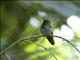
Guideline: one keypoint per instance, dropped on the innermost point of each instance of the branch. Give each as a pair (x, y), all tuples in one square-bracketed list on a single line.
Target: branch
[(40, 35), (19, 41), (43, 47), (7, 56), (68, 42)]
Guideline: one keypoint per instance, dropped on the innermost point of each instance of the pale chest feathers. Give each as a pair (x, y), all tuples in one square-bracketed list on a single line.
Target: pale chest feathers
[(46, 29)]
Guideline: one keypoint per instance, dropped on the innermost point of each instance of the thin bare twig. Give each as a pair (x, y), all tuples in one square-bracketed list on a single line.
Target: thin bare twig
[(7, 56), (67, 42), (43, 47), (19, 41), (40, 35)]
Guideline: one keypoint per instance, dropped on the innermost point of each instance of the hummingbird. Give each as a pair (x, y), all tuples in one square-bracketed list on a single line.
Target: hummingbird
[(46, 30)]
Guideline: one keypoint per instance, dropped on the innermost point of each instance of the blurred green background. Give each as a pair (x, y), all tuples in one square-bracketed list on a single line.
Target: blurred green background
[(22, 19)]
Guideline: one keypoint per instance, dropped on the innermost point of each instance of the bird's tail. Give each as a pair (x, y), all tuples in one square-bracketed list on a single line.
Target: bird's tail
[(50, 39)]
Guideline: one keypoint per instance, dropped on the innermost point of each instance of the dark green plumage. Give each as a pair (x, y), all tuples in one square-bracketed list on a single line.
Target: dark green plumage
[(46, 30)]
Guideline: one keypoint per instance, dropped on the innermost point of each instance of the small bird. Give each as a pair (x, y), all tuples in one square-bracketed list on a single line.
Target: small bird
[(46, 30)]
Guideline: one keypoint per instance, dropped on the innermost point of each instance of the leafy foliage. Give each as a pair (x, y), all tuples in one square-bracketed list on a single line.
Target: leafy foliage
[(15, 24)]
